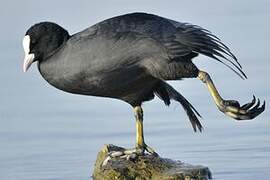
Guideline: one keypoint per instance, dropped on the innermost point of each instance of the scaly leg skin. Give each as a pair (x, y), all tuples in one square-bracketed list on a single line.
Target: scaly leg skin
[(232, 108), (140, 148)]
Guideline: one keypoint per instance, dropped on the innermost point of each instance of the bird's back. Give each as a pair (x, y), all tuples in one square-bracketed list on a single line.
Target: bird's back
[(148, 24), (180, 42), (137, 38)]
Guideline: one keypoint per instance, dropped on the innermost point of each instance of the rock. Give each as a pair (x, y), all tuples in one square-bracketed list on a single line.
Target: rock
[(145, 167)]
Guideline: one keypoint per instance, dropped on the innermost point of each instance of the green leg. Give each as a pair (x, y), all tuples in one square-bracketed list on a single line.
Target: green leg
[(140, 144), (232, 108), (139, 127)]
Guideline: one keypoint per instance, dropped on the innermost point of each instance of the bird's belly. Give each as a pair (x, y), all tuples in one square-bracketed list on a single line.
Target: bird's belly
[(120, 84), (126, 84)]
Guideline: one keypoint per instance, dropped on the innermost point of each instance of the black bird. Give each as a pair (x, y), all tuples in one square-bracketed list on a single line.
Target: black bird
[(130, 57)]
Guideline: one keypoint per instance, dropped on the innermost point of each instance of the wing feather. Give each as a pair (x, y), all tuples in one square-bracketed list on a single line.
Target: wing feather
[(190, 38)]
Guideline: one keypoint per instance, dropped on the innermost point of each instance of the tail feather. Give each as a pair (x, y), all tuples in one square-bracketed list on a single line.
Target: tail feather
[(166, 92)]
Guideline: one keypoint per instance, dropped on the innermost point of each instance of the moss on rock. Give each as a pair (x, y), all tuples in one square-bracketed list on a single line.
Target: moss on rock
[(145, 167)]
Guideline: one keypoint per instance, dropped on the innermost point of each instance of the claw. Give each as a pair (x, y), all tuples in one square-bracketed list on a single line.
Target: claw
[(151, 151), (249, 105), (263, 106), (257, 108), (248, 110), (258, 104)]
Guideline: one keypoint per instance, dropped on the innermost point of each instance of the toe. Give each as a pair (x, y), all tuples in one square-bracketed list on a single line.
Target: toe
[(249, 105), (151, 151), (245, 112)]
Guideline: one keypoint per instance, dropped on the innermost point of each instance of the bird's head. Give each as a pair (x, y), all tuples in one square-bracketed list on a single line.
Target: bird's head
[(42, 40)]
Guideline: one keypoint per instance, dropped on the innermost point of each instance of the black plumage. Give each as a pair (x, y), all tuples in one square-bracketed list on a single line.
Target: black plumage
[(128, 57)]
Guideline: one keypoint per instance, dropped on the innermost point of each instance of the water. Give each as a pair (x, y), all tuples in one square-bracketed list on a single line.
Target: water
[(49, 134)]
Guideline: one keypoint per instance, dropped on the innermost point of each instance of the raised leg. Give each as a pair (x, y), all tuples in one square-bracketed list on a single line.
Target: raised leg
[(232, 108)]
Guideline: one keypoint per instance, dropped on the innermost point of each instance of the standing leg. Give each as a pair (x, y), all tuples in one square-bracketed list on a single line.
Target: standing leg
[(140, 144), (139, 128)]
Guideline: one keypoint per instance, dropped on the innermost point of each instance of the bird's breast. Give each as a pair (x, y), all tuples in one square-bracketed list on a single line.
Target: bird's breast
[(92, 79)]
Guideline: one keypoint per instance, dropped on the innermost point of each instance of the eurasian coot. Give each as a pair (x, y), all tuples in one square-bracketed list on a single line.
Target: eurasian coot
[(130, 57)]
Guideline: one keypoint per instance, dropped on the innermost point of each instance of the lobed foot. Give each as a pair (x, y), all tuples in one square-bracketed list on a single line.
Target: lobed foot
[(247, 111), (130, 154)]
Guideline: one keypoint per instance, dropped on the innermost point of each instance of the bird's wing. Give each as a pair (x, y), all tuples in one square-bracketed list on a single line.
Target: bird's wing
[(190, 38), (182, 41)]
